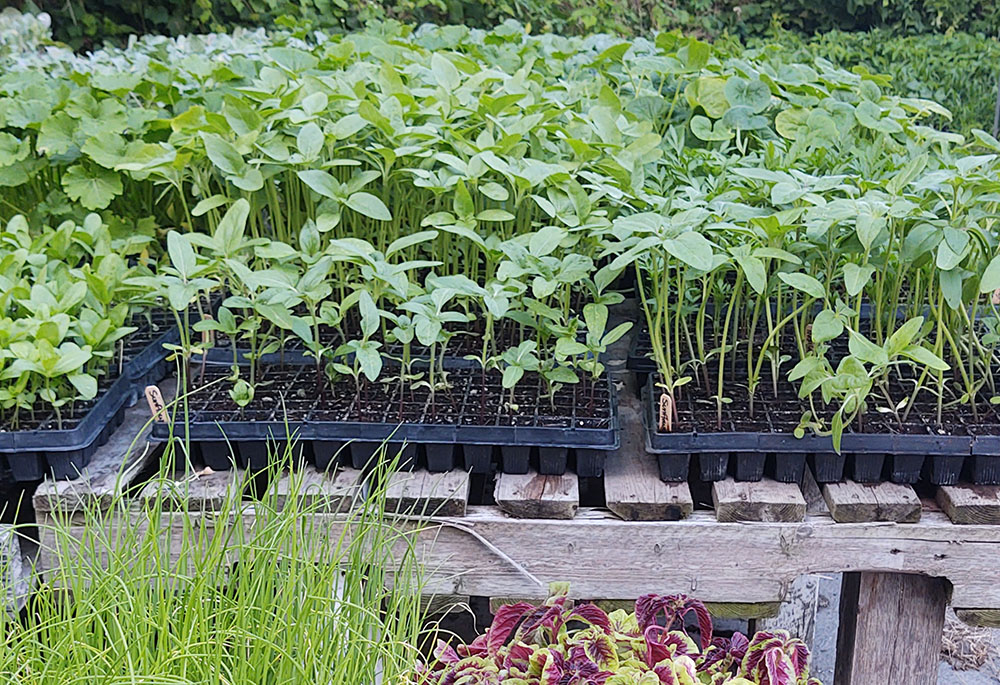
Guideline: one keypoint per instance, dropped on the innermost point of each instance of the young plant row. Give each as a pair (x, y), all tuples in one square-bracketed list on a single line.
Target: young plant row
[(796, 235), (381, 317), (67, 296)]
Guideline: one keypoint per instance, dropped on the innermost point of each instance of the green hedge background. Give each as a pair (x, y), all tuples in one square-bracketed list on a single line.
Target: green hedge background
[(941, 49)]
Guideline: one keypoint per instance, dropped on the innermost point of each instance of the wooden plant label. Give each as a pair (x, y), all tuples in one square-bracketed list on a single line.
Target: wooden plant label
[(157, 407)]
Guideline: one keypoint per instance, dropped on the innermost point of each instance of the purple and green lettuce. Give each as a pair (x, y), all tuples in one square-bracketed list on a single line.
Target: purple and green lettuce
[(561, 644)]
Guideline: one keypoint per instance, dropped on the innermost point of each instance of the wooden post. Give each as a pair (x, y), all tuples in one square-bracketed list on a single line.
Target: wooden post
[(890, 629)]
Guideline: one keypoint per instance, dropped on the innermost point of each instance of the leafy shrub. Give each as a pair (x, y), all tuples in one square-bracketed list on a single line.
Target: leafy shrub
[(959, 70), (559, 643)]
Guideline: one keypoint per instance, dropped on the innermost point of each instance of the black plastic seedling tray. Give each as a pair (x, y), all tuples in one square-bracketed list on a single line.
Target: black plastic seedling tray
[(62, 454), (226, 437), (865, 457)]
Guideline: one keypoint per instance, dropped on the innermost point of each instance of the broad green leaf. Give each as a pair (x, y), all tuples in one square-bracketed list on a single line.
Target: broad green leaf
[(85, 384), (494, 215), (545, 240), (754, 271), (804, 282), (990, 280), (94, 188), (369, 314), (181, 254), (310, 141), (856, 277), (704, 129), (445, 73), (409, 240), (790, 122), (867, 351), (369, 205), (826, 326), (691, 248), (321, 182), (903, 336), (753, 94), (922, 355)]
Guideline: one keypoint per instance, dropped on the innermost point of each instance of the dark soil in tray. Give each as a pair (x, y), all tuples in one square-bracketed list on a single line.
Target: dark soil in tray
[(43, 417), (472, 399)]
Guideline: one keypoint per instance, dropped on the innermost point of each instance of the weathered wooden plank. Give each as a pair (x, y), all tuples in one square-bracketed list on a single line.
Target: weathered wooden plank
[(486, 553), (16, 576), (203, 490), (904, 615), (632, 486), (532, 495), (439, 605), (766, 500), (427, 494), (851, 502), (319, 491), (797, 614), (966, 504), (113, 468), (979, 618)]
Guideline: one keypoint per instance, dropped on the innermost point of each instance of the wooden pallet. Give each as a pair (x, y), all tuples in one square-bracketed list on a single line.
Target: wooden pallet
[(741, 551)]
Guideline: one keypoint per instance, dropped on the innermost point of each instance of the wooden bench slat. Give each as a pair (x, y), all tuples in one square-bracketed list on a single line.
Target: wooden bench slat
[(766, 500), (532, 495), (851, 502)]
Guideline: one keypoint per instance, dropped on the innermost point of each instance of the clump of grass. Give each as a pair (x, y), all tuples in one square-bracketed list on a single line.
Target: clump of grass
[(160, 594)]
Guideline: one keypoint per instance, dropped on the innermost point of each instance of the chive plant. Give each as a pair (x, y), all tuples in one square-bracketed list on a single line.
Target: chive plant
[(157, 596)]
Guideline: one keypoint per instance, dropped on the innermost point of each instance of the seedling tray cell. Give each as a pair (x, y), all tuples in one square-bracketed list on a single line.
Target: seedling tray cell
[(549, 433), (47, 450)]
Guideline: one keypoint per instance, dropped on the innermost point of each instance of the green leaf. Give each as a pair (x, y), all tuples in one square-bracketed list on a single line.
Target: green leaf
[(805, 283), (409, 240), (790, 122), (856, 277), (369, 314), (93, 188), (704, 129), (753, 94), (837, 431), (370, 361), (85, 384), (369, 205), (693, 249), (511, 376), (545, 240), (229, 232), (754, 271), (903, 336), (922, 355), (310, 141), (867, 351), (445, 73), (321, 182), (826, 326), (208, 204), (990, 280), (182, 255), (494, 215)]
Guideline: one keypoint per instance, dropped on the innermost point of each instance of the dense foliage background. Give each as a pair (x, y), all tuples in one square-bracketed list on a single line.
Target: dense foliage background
[(940, 49)]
